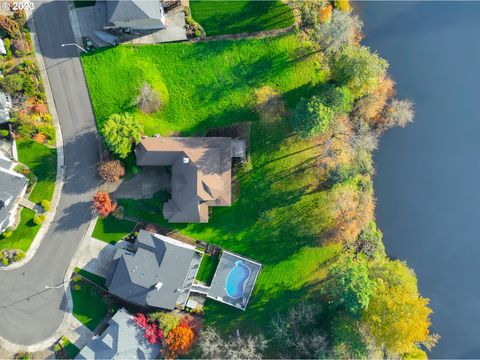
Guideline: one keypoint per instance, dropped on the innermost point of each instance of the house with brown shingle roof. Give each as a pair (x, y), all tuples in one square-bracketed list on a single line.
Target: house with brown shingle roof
[(201, 173)]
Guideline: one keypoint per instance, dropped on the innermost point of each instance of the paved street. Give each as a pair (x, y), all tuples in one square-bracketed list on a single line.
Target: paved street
[(29, 313)]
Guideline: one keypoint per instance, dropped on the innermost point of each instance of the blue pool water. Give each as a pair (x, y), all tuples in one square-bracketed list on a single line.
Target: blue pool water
[(236, 278)]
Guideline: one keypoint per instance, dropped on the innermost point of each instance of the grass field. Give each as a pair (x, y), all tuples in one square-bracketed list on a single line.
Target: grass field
[(89, 307), (280, 214), (207, 268), (111, 229), (232, 17)]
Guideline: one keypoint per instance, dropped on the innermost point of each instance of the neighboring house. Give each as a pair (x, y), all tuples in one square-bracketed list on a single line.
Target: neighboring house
[(157, 274), (13, 187), (122, 339), (5, 107), (201, 173), (136, 14), (3, 50)]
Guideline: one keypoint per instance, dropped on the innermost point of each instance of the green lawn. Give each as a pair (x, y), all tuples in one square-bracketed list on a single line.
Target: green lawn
[(23, 235), (42, 161), (111, 229), (207, 268), (70, 349), (89, 307), (92, 277), (280, 214), (232, 17)]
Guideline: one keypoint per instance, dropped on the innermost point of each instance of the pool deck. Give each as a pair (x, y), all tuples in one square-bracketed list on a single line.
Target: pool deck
[(218, 290)]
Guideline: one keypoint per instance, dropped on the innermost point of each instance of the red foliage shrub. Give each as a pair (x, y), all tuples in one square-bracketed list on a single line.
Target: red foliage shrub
[(141, 320), (9, 25), (191, 322), (41, 108), (103, 204)]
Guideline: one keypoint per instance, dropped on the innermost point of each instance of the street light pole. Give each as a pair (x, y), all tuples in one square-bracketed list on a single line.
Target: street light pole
[(74, 44), (57, 286)]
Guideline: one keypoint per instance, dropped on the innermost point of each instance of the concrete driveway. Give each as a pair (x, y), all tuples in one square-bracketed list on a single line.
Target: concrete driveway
[(30, 313)]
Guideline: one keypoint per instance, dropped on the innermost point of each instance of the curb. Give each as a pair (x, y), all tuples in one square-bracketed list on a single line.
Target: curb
[(60, 154)]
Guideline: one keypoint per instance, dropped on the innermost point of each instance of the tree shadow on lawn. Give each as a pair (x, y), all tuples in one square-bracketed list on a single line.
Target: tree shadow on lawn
[(263, 306)]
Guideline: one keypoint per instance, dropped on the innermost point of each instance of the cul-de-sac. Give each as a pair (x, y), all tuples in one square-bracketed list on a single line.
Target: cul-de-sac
[(234, 179)]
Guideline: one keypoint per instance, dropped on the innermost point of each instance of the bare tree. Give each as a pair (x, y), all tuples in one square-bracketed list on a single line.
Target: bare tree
[(148, 101), (342, 30), (399, 113), (236, 347)]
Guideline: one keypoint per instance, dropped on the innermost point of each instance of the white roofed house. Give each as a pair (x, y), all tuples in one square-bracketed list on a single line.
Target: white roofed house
[(5, 107), (136, 14), (13, 187)]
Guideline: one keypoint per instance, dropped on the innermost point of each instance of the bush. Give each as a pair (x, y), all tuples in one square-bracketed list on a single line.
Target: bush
[(12, 83), (77, 287), (9, 25), (4, 133), (39, 219), (45, 205), (111, 171), (8, 232), (57, 347), (166, 320), (312, 117), (5, 261), (19, 255)]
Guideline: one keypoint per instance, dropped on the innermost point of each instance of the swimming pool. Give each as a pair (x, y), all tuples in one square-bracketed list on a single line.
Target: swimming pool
[(236, 279)]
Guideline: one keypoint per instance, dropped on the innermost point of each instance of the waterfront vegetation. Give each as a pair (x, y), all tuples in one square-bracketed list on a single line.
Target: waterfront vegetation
[(305, 208)]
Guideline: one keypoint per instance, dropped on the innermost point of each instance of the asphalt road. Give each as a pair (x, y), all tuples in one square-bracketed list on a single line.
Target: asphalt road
[(29, 313)]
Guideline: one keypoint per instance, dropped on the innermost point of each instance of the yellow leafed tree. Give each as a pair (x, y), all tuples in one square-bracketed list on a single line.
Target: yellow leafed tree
[(399, 318)]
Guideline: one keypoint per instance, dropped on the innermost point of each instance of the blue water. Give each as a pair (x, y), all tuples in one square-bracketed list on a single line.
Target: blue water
[(236, 278)]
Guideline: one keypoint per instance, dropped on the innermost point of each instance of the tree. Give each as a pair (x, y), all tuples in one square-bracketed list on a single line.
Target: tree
[(311, 11), (343, 5), (179, 340), (111, 171), (296, 334), (339, 32), (103, 204), (349, 339), (148, 100), (312, 117), (350, 286), (399, 319), (359, 69), (369, 241), (120, 132), (339, 99), (399, 113), (213, 346)]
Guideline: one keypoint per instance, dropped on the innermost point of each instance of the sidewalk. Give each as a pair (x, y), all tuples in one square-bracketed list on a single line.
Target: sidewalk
[(60, 153)]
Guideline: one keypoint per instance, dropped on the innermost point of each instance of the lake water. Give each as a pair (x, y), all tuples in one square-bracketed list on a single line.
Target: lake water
[(428, 174)]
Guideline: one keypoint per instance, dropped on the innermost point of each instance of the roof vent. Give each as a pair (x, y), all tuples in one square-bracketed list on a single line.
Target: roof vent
[(186, 160), (158, 285)]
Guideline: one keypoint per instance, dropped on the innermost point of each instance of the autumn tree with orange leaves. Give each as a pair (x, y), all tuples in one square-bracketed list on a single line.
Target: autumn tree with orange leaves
[(179, 341), (103, 204)]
